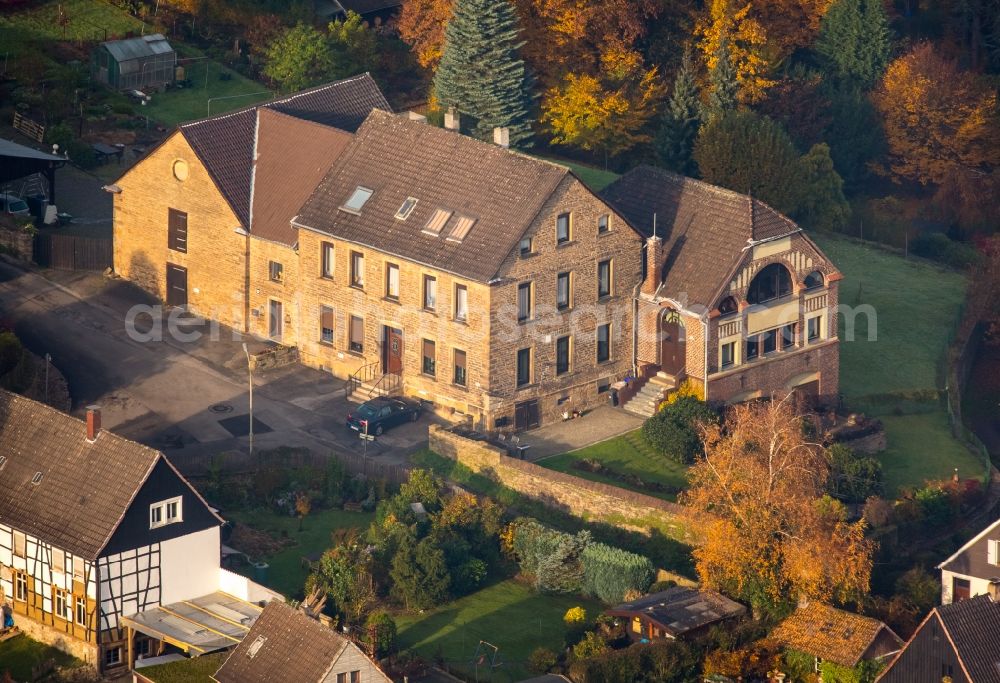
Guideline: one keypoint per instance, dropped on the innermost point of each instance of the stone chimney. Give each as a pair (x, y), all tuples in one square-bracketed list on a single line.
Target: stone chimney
[(501, 137), (654, 261), (93, 422), (452, 119)]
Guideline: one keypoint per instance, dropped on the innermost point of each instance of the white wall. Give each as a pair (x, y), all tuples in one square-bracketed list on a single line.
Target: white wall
[(189, 566), (243, 588), (977, 586)]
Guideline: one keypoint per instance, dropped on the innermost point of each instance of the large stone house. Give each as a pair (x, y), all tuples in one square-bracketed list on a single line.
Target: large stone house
[(974, 569), (97, 533), (735, 296), (402, 257)]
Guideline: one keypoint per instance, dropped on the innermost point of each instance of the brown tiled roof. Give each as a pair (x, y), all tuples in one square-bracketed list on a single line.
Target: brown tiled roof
[(704, 227), (225, 143), (974, 628), (295, 649), (829, 633), (679, 610), (85, 488), (972, 559), (293, 155), (500, 189)]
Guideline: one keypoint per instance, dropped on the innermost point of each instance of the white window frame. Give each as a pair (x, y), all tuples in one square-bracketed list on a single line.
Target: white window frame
[(993, 551), (66, 597), (79, 602), (163, 507)]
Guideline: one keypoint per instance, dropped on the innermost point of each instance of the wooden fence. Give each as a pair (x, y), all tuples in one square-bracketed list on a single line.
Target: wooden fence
[(28, 127), (73, 252)]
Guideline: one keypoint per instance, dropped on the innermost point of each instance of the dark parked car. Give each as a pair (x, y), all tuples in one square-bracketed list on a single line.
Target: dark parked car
[(377, 415)]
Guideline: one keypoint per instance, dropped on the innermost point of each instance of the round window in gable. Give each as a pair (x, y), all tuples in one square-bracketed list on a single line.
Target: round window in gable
[(180, 170)]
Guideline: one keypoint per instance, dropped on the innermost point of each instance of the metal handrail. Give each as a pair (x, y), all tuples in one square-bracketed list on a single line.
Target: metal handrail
[(363, 374), (390, 386)]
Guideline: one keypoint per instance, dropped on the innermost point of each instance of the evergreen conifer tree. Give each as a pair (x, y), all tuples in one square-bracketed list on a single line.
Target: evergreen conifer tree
[(854, 41), (722, 99), (675, 140), (481, 73)]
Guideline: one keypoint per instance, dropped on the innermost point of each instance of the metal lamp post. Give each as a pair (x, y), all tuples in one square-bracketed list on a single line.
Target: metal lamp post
[(250, 375)]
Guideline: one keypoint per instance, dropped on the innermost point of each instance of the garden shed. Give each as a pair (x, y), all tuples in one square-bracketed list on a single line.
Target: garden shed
[(135, 63)]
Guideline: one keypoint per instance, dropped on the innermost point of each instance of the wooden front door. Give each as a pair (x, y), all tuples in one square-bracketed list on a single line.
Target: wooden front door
[(275, 320), (672, 343), (392, 353), (177, 285), (526, 415)]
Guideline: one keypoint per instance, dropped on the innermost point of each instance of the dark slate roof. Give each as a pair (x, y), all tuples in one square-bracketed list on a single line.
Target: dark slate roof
[(368, 6), (295, 649), (137, 48), (974, 628), (500, 189), (678, 610), (85, 488), (704, 227), (832, 634), (292, 157), (225, 143), (972, 558)]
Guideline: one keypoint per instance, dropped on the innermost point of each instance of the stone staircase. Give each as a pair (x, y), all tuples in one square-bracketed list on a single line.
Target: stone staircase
[(651, 394), (378, 386)]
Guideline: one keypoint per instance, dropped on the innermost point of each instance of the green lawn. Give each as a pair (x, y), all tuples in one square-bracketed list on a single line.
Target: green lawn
[(87, 20), (507, 614), (194, 670), (921, 447), (917, 306), (19, 654), (187, 104), (286, 573), (629, 454)]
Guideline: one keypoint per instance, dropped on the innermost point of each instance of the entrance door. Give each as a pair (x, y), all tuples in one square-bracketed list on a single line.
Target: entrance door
[(672, 343), (526, 415), (275, 320), (392, 353), (177, 285)]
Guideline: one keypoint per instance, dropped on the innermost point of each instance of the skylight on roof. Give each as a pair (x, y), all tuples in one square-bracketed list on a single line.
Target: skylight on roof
[(37, 479), (357, 199), (407, 208), (437, 222), (3, 461), (461, 229), (255, 646)]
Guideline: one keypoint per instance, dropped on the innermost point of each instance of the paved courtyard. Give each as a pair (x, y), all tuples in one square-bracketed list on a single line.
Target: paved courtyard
[(596, 425)]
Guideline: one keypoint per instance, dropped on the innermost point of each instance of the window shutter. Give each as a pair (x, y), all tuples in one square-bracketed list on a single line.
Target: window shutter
[(460, 359), (428, 349), (177, 230), (993, 552), (357, 329)]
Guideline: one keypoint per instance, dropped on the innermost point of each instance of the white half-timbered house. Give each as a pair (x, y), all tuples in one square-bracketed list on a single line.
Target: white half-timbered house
[(98, 534)]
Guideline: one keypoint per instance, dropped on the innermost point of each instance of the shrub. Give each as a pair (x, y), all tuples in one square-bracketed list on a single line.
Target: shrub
[(938, 247), (919, 589), (381, 630), (609, 573), (935, 503), (673, 431), (592, 645), (575, 616), (541, 660), (853, 478)]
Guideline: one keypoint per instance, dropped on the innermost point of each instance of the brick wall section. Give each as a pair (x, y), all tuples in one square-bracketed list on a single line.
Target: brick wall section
[(579, 387), (81, 649), (579, 497), (775, 374), (215, 257), (263, 290), (22, 244)]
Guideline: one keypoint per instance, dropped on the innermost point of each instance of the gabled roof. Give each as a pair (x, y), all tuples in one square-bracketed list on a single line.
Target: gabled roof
[(831, 634), (285, 646), (85, 488), (137, 48), (225, 143), (704, 228), (973, 627), (678, 610), (972, 558), (501, 190), (292, 155)]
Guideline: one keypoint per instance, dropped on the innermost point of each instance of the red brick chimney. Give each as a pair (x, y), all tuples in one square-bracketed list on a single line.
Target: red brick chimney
[(654, 261), (93, 422)]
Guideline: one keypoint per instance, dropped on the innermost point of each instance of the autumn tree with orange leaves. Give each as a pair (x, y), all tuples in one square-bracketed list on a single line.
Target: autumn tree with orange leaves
[(421, 26), (940, 121), (769, 533), (747, 40)]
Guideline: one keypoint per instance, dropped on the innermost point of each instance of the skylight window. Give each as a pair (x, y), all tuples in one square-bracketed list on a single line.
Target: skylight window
[(461, 229), (357, 199), (37, 479), (437, 222), (407, 208), (255, 646), (3, 461)]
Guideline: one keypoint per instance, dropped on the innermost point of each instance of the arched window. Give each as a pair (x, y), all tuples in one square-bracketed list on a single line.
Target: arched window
[(771, 283), (814, 280), (728, 306)]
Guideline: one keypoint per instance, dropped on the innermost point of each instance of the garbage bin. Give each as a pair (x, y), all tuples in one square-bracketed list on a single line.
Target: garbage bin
[(260, 571), (613, 397), (37, 204)]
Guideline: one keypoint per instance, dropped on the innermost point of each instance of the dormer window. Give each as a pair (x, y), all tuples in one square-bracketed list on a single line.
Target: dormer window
[(357, 200), (166, 512), (407, 208)]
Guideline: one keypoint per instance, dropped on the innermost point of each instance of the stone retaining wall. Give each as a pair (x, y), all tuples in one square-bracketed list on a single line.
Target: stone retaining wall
[(82, 650), (580, 497), (18, 243)]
